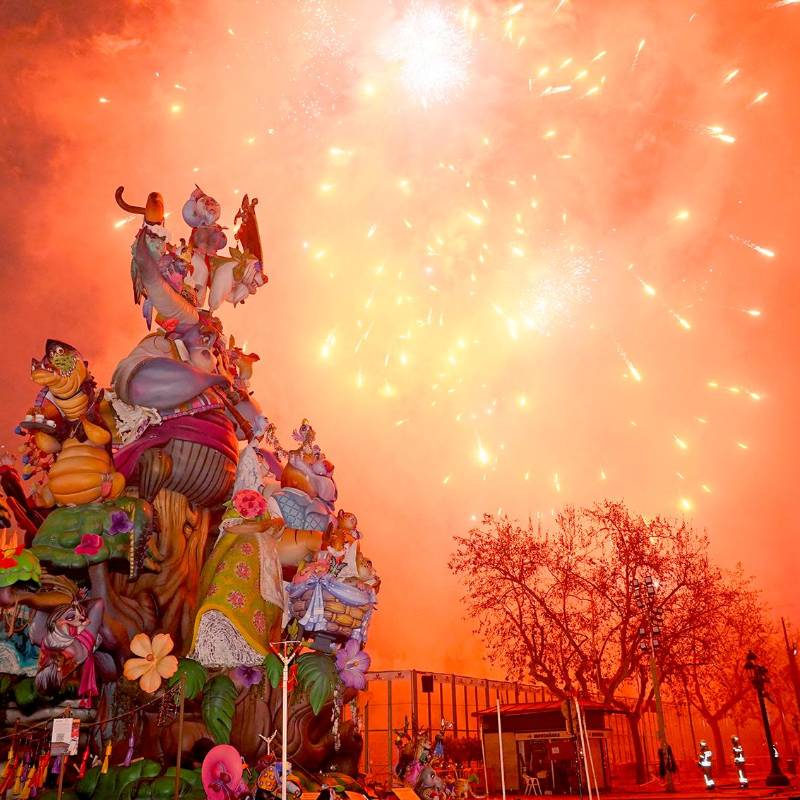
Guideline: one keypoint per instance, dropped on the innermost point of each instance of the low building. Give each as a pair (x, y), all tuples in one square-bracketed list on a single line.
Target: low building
[(538, 743)]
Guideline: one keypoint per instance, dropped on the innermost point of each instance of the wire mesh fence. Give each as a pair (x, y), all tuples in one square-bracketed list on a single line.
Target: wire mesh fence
[(418, 700)]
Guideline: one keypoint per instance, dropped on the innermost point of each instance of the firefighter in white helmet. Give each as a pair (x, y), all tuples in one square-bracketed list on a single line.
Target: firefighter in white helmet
[(738, 761), (704, 762)]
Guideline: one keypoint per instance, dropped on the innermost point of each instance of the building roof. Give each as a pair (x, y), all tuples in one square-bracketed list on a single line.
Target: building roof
[(516, 709)]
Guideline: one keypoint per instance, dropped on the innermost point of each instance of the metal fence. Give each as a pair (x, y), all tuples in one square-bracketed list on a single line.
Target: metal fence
[(392, 697)]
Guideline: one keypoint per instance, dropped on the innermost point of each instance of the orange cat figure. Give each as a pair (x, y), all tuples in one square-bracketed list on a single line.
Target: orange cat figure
[(344, 534)]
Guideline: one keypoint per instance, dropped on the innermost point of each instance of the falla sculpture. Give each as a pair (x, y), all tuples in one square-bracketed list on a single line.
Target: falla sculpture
[(158, 537)]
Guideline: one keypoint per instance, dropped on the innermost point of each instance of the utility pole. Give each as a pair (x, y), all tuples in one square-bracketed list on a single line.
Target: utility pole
[(649, 633), (759, 677), (181, 712), (286, 651)]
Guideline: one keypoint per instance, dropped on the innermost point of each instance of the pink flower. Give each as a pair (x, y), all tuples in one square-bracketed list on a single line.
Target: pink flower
[(260, 621), (242, 571), (236, 599), (221, 567), (90, 544), (249, 503), (212, 590), (352, 663), (246, 549)]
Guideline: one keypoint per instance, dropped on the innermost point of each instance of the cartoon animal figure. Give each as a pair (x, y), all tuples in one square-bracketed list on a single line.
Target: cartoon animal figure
[(414, 753), (438, 744), (69, 389), (340, 555), (241, 273), (338, 541), (66, 626), (366, 571), (153, 213), (201, 213), (83, 471), (462, 789), (200, 210), (234, 278), (193, 450), (242, 364), (174, 267), (429, 785), (308, 491), (247, 234), (345, 533), (405, 750), (267, 782), (423, 746)]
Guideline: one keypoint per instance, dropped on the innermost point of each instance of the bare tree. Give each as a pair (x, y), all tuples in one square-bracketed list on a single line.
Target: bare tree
[(708, 660), (557, 605)]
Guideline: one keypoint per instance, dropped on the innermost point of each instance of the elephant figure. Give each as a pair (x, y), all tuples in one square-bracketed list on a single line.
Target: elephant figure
[(193, 450), (183, 459), (428, 785)]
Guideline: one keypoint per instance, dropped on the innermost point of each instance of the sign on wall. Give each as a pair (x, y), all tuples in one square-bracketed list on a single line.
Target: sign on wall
[(64, 738)]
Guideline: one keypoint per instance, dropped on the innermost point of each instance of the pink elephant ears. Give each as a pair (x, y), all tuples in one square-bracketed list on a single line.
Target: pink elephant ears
[(222, 769)]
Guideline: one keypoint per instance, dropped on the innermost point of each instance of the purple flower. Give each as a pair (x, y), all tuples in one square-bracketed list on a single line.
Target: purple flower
[(245, 677), (120, 523), (352, 663)]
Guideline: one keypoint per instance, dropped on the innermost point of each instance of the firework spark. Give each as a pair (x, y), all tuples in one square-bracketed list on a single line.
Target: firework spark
[(432, 50)]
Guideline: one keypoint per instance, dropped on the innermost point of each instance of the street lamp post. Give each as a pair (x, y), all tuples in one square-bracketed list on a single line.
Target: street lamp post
[(759, 677), (650, 633), (791, 656)]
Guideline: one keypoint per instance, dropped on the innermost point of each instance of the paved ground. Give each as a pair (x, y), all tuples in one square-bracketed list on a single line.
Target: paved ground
[(687, 789), (727, 790)]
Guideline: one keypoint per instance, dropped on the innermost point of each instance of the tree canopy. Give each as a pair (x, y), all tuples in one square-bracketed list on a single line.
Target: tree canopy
[(557, 604)]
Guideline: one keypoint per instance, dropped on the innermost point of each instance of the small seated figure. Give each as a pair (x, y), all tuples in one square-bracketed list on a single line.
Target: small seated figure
[(267, 785), (308, 491), (201, 213), (337, 546)]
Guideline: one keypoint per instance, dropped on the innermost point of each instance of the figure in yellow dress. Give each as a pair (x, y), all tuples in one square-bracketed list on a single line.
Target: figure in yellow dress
[(241, 610)]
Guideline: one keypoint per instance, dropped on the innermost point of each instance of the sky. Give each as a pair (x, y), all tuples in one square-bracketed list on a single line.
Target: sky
[(519, 254)]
